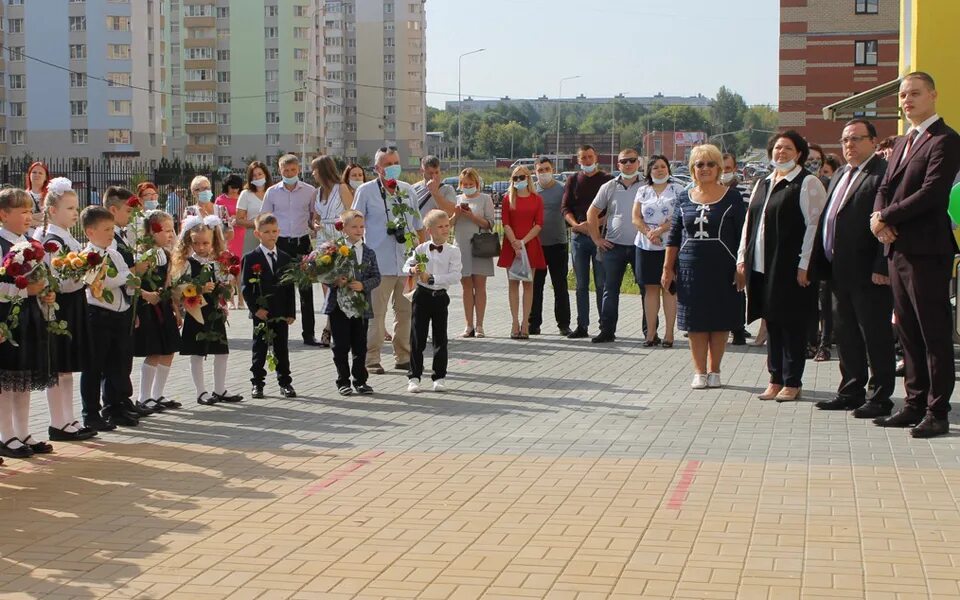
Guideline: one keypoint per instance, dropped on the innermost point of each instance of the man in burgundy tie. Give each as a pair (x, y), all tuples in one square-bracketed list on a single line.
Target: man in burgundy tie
[(910, 219), (847, 253)]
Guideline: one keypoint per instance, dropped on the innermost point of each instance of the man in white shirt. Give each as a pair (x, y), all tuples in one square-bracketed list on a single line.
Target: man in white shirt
[(430, 192)]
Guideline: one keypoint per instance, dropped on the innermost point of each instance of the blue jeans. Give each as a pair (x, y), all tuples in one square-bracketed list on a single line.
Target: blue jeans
[(615, 261), (584, 254)]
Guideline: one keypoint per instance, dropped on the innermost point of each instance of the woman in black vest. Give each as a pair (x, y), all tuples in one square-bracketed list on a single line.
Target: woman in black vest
[(774, 257)]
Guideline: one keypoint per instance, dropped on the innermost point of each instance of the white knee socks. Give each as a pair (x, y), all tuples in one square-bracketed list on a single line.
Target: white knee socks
[(21, 415), (220, 374), (196, 370), (147, 373), (60, 403), (159, 381), (7, 430)]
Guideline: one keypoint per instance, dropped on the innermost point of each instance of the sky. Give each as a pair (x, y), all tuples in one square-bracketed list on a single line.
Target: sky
[(637, 47)]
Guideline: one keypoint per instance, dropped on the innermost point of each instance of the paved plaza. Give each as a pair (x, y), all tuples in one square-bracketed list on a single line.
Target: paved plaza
[(552, 468)]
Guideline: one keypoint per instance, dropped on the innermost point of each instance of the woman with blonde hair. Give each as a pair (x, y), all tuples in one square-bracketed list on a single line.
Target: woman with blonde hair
[(473, 213), (522, 216), (203, 193), (701, 262)]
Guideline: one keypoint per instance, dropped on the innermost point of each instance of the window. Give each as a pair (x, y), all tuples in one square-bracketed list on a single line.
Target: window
[(78, 136), (868, 7), (78, 51), (199, 117), (300, 10), (223, 140), (866, 53), (273, 139), (16, 53), (273, 118), (299, 54), (17, 109), (199, 75), (223, 12), (271, 74), (223, 97), (200, 159), (223, 118), (15, 2), (270, 32), (388, 7), (299, 75), (201, 96), (118, 51), (198, 10), (118, 136), (78, 23), (19, 138), (223, 55), (271, 11), (201, 33), (388, 42), (298, 117), (116, 80), (298, 96), (14, 25), (273, 97), (199, 53), (118, 23), (391, 110), (200, 140), (223, 34), (78, 80), (78, 108), (17, 82), (388, 59), (77, 1), (223, 76), (271, 53), (301, 33)]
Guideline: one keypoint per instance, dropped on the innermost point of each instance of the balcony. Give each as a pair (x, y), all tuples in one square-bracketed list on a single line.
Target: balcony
[(200, 128)]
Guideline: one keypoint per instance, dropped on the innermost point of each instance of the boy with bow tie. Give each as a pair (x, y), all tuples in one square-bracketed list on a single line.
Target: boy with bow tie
[(430, 299)]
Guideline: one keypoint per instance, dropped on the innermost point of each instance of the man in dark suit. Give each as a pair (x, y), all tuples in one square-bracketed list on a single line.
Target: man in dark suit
[(272, 305), (911, 220), (847, 254)]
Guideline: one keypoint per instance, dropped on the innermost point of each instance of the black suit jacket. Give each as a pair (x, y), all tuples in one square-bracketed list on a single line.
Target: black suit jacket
[(914, 194), (280, 298), (857, 254)]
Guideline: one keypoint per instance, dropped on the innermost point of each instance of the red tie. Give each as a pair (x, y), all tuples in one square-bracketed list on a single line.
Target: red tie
[(911, 138)]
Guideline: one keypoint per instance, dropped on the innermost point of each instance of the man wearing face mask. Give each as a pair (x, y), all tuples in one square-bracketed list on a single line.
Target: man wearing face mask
[(553, 240), (616, 247), (291, 202), (729, 178), (579, 192), (430, 193), (380, 201)]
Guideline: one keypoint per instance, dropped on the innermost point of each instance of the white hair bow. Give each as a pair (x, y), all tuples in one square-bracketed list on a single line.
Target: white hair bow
[(191, 222), (212, 221), (59, 186)]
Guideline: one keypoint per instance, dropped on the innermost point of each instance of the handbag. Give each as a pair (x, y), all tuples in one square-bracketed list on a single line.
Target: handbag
[(485, 244)]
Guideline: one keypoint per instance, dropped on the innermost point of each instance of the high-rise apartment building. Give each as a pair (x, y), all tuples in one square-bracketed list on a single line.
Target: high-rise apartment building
[(831, 50), (82, 78)]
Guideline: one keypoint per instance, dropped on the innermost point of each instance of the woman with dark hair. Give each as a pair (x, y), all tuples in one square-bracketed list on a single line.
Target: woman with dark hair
[(653, 217), (250, 201), (353, 177), (329, 205), (228, 198), (774, 258), (35, 182)]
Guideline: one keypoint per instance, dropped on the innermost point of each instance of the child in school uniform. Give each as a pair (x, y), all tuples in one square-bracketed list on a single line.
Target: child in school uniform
[(430, 299), (272, 305), (350, 334), (156, 337), (26, 365), (195, 260), (108, 315), (68, 353)]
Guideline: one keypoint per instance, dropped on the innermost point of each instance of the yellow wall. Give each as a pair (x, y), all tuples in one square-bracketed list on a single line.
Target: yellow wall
[(928, 42)]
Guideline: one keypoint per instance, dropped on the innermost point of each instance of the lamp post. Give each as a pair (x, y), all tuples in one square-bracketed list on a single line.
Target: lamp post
[(613, 129), (559, 108), (460, 100)]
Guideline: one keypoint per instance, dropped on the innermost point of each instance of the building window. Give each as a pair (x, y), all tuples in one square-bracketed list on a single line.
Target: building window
[(272, 97), (866, 53), (17, 82), (271, 53), (868, 7), (78, 80), (223, 118), (78, 136), (298, 117), (199, 53), (273, 139), (17, 109), (271, 11), (199, 75), (273, 118), (14, 25), (115, 80), (271, 75), (223, 76), (223, 12), (299, 75), (118, 136), (270, 32), (199, 117), (198, 10), (118, 51), (223, 97), (298, 96), (388, 8), (115, 23), (15, 2), (78, 23), (223, 55), (299, 54), (78, 51), (300, 10), (301, 33), (78, 108), (223, 140), (201, 33), (19, 138)]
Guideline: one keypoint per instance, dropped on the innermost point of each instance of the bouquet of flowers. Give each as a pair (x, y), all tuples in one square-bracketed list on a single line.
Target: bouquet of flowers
[(74, 265), (191, 291), (328, 263), (193, 301), (230, 263), (24, 263)]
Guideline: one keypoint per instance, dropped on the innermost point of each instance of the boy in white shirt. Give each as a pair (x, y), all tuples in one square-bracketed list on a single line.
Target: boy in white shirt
[(430, 299)]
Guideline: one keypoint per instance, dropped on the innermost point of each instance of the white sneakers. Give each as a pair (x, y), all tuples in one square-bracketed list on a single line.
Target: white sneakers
[(413, 385), (439, 386), (702, 381)]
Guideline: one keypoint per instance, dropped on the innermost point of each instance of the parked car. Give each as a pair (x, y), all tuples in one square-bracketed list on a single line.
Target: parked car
[(497, 190)]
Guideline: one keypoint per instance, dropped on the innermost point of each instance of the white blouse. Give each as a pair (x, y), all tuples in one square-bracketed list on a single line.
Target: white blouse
[(328, 212), (656, 209)]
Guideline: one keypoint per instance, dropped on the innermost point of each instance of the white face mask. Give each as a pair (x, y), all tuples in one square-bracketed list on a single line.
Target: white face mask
[(469, 191), (259, 182), (354, 183), (660, 180), (726, 178), (628, 176), (784, 167), (588, 168), (544, 178)]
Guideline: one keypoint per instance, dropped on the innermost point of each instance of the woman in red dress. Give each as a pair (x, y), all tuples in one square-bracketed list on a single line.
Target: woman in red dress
[(522, 216)]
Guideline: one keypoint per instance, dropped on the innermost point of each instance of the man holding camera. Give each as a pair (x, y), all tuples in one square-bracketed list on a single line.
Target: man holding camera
[(391, 218)]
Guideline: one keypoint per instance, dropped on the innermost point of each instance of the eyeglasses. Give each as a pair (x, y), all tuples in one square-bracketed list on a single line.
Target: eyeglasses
[(705, 165), (519, 177), (854, 139), (628, 161)]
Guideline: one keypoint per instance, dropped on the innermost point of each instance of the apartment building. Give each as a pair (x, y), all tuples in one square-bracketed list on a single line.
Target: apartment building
[(77, 81), (831, 50)]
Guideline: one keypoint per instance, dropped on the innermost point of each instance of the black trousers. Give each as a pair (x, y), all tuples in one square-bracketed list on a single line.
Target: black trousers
[(281, 351), (558, 265), (786, 351), (349, 335), (820, 326), (107, 370), (864, 340), (429, 307), (298, 248)]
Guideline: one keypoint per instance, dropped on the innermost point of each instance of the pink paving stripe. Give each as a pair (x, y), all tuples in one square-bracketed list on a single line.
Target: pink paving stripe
[(679, 495), (342, 472)]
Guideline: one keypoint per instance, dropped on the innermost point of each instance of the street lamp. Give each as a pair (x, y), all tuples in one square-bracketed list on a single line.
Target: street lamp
[(613, 128), (559, 108), (460, 100)]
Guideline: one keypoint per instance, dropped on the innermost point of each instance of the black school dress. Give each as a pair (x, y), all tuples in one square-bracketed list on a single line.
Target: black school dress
[(214, 321), (157, 333), (68, 353), (25, 367)]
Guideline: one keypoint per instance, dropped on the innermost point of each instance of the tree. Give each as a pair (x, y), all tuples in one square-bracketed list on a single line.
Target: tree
[(727, 111), (678, 118)]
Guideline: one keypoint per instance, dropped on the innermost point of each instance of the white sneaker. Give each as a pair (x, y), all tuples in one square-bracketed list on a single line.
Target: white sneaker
[(413, 386), (713, 380), (439, 386), (699, 381)]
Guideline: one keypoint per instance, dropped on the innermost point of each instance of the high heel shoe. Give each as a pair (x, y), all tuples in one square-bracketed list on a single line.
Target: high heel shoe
[(469, 332), (480, 333), (789, 396), (771, 392)]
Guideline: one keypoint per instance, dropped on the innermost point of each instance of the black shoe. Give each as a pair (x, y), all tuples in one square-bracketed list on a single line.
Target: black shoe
[(402, 366), (839, 404), (873, 409), (168, 403), (256, 391), (152, 405), (345, 390), (227, 397), (122, 418), (363, 389), (739, 339), (603, 338), (287, 391), (136, 410), (930, 427), (901, 368), (376, 369), (98, 424), (905, 417), (565, 331), (38, 447), (23, 451), (534, 331), (311, 341), (82, 433), (577, 334)]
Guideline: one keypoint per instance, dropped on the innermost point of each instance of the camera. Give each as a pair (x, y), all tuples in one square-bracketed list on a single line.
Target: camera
[(397, 232)]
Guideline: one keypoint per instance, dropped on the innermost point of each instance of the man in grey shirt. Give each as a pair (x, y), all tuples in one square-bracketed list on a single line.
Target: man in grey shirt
[(430, 192), (553, 239), (617, 248)]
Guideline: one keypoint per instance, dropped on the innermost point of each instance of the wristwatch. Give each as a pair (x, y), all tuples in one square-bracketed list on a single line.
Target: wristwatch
[(430, 280)]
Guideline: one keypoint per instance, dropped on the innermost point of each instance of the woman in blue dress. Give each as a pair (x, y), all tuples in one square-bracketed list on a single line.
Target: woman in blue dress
[(701, 261)]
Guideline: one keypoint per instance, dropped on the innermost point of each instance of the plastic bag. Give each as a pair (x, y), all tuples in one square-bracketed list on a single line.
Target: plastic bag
[(520, 269)]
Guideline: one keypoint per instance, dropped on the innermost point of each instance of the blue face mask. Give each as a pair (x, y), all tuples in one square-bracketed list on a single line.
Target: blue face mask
[(290, 180), (392, 172), (151, 205), (205, 196), (588, 168), (520, 185)]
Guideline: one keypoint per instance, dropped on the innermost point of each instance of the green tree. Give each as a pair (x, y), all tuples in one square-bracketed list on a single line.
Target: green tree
[(679, 118), (727, 111)]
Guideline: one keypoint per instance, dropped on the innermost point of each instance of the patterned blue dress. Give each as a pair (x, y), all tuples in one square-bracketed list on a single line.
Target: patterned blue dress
[(708, 236)]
